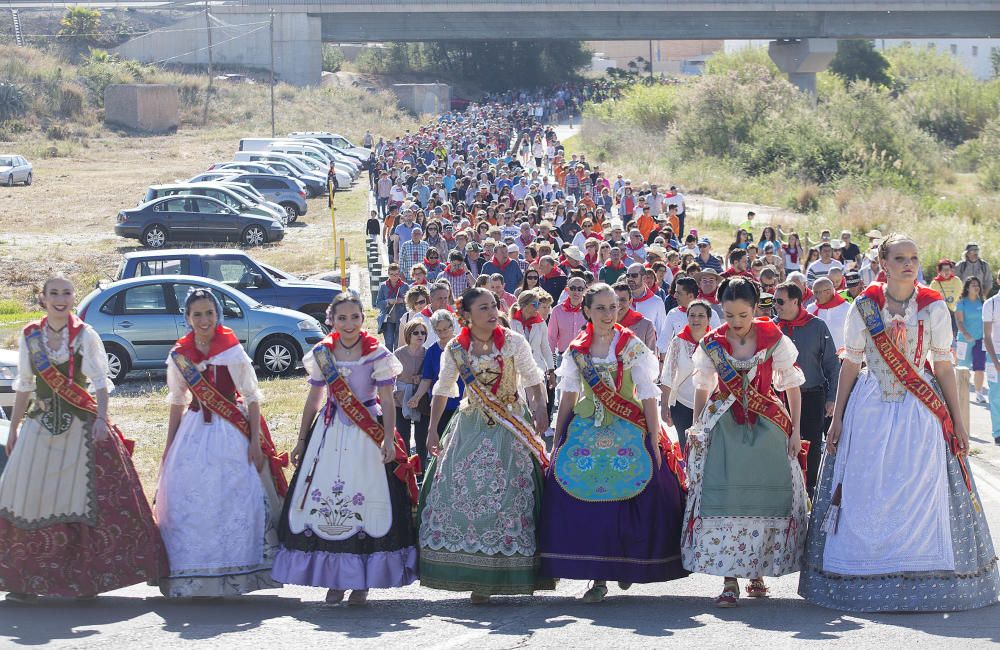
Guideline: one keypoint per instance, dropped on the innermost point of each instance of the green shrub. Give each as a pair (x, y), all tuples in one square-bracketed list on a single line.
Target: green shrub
[(12, 101), (71, 100), (333, 58)]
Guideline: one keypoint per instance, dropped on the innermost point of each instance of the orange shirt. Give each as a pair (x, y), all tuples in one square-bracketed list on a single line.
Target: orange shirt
[(645, 224)]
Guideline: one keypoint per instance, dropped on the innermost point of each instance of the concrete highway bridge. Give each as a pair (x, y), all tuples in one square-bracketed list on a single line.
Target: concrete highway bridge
[(805, 31)]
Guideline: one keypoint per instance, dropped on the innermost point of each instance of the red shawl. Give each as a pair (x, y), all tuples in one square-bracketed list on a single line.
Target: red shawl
[(687, 335), (368, 342), (585, 339), (630, 318), (836, 301), (223, 339), (788, 326), (502, 266), (454, 272), (526, 323), (464, 338), (611, 265), (767, 335), (925, 295), (646, 296), (567, 305)]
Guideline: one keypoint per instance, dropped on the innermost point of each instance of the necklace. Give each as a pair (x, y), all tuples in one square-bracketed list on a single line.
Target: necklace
[(57, 331), (351, 346), (904, 300), (743, 337)]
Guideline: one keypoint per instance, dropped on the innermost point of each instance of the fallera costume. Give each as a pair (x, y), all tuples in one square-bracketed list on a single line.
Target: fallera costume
[(897, 523), (73, 518), (609, 513), (481, 496), (217, 513), (746, 509), (348, 522)]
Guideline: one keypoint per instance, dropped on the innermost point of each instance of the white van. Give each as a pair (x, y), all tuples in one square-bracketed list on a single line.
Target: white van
[(335, 139)]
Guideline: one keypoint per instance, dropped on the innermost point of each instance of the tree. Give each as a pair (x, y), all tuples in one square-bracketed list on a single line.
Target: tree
[(858, 60)]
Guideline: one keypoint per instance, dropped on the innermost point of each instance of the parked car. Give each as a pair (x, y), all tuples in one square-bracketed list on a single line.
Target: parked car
[(217, 190), (312, 172), (207, 177), (287, 192), (250, 167), (310, 149), (140, 319), (14, 169), (237, 270), (8, 372), (335, 139), (195, 218)]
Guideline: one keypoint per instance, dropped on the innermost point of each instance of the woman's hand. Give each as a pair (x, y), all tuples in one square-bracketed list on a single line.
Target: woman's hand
[(963, 438), (11, 441), (296, 455), (655, 443), (833, 435), (255, 455), (794, 444), (100, 430), (433, 440), (665, 415), (388, 450), (413, 402)]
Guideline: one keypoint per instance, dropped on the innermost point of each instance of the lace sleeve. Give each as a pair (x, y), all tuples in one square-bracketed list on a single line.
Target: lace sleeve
[(669, 362), (786, 374), (25, 381), (704, 377), (95, 360), (940, 335), (568, 375), (524, 361), (855, 337), (241, 370), (177, 388), (645, 370), (447, 381)]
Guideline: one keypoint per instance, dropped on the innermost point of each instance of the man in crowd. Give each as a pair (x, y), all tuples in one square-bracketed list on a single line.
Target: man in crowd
[(507, 268), (831, 308), (472, 260), (974, 266), (613, 269), (821, 267), (705, 259), (647, 303), (413, 251), (708, 285), (853, 289), (818, 361), (496, 285), (566, 319), (630, 318), (551, 277), (738, 264)]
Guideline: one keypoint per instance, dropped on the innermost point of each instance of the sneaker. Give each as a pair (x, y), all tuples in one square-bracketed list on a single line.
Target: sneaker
[(979, 398)]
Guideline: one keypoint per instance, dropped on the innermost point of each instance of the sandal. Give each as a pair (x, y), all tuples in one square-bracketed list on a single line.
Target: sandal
[(334, 596), (358, 597), (21, 598), (596, 593), (479, 599), (730, 594), (757, 589)]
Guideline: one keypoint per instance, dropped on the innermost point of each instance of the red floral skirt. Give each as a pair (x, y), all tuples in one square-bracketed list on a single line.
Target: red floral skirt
[(78, 560)]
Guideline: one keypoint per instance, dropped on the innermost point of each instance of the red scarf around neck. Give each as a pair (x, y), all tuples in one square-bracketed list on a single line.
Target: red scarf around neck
[(646, 296), (711, 299), (567, 306), (616, 267), (836, 301), (454, 272), (526, 323), (464, 338), (501, 265), (430, 266), (556, 272), (223, 339), (687, 335), (630, 318), (925, 295), (368, 342), (585, 339), (788, 326)]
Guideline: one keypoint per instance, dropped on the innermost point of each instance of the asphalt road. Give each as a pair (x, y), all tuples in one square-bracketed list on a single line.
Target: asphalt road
[(415, 617)]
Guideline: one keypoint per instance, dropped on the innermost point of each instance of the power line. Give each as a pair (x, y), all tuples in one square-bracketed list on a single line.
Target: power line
[(202, 49)]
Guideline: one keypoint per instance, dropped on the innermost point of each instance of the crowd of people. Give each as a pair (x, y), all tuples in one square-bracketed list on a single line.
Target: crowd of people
[(789, 406)]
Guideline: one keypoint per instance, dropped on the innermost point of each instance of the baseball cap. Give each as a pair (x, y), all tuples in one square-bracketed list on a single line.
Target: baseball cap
[(852, 278), (473, 246), (704, 241)]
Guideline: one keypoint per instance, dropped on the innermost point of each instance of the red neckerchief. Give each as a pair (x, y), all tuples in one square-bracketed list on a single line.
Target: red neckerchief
[(454, 272), (526, 241), (939, 278), (646, 296), (788, 326), (712, 300), (431, 265), (629, 250), (836, 301), (793, 253), (925, 295), (428, 313), (464, 339), (611, 265), (807, 294), (590, 261), (502, 266), (585, 339), (630, 318), (368, 342), (393, 289), (556, 272), (222, 340), (687, 335), (526, 322), (730, 272), (570, 308), (767, 335)]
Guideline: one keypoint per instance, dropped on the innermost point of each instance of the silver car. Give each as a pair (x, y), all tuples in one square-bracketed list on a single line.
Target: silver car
[(8, 372), (14, 169)]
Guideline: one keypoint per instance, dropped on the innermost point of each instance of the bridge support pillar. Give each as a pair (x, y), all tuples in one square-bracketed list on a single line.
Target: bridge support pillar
[(802, 59)]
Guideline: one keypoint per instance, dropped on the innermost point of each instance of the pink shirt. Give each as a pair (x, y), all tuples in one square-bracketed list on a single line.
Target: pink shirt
[(563, 327)]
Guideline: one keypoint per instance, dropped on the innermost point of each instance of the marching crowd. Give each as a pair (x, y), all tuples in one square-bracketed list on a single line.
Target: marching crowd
[(545, 325)]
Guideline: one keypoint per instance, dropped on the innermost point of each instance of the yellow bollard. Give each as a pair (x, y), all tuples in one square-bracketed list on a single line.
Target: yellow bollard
[(333, 215), (962, 379), (343, 264)]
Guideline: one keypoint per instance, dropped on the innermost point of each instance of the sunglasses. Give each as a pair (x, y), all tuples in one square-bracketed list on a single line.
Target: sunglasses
[(779, 301), (576, 289), (419, 302), (419, 333), (535, 304), (633, 275)]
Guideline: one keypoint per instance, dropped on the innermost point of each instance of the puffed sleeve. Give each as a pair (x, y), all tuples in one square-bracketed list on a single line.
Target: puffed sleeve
[(568, 375), (177, 389), (529, 372), (312, 369), (785, 373), (385, 367), (704, 377), (447, 381), (855, 337), (241, 370), (645, 371), (25, 381), (95, 359), (941, 336)]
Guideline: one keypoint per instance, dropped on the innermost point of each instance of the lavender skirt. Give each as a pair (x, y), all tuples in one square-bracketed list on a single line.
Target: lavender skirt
[(636, 540)]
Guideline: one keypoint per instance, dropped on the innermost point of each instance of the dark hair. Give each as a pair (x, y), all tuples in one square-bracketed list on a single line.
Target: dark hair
[(736, 254), (689, 284), (345, 297), (470, 296), (699, 302), (965, 287), (592, 292), (198, 294), (739, 288), (792, 289), (621, 285)]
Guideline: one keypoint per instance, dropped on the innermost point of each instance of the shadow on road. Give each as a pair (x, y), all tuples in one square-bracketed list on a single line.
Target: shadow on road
[(515, 617)]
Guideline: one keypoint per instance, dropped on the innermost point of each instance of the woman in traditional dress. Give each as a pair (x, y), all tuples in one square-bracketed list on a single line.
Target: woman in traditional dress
[(612, 507), (347, 523), (746, 509), (897, 524), (74, 521), (221, 483), (677, 378), (481, 496)]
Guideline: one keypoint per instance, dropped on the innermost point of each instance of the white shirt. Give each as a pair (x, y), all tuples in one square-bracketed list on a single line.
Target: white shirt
[(991, 314), (654, 309), (677, 319), (678, 200), (835, 319)]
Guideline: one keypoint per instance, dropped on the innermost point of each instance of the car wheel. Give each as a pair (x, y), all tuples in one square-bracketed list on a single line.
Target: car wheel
[(118, 362), (27, 181), (154, 237), (292, 211), (277, 356), (254, 236)]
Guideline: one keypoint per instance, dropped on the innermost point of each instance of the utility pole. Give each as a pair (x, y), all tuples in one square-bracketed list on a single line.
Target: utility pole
[(271, 32), (208, 91), (651, 61)]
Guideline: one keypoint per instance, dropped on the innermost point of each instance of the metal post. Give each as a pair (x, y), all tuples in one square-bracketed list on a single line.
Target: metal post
[(271, 40), (333, 213), (343, 265), (650, 60), (208, 92)]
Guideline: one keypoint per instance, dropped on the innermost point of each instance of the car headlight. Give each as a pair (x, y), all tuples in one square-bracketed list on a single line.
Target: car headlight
[(8, 372), (309, 325)]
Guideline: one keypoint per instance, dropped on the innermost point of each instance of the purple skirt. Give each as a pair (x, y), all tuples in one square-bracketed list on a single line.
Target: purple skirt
[(637, 540)]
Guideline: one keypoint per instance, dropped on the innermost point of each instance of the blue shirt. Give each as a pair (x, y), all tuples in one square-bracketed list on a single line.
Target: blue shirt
[(432, 369), (972, 317)]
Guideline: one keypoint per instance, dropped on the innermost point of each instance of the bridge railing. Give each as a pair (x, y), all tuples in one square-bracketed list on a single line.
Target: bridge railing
[(661, 5)]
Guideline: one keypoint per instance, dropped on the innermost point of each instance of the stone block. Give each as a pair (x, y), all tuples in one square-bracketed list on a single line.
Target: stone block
[(146, 108)]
